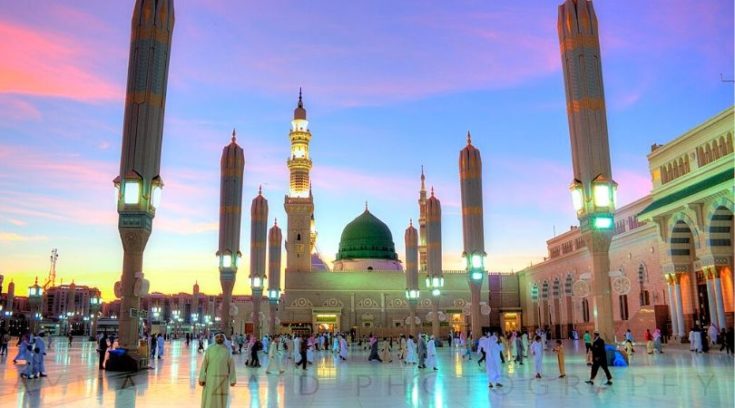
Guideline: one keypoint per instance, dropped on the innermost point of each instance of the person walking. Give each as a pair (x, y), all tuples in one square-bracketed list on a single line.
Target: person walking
[(467, 344), (216, 373), (492, 350), (304, 347), (4, 340), (71, 338), (159, 345), (657, 341), (410, 351), (23, 352), (275, 355), (588, 346), (599, 360), (385, 351), (102, 349), (430, 354), (559, 350), (374, 350), (343, 347), (482, 348), (648, 337), (422, 351), (537, 350), (39, 355)]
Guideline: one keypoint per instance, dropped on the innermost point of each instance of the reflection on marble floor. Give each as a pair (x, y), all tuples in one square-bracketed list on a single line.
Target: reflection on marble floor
[(676, 378)]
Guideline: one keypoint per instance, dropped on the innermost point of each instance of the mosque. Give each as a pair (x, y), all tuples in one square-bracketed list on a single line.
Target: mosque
[(365, 290)]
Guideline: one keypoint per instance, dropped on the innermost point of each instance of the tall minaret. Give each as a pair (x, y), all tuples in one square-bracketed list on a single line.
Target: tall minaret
[(274, 274), (412, 274), (139, 182), (232, 165), (10, 297), (435, 278), (299, 203), (593, 188), (195, 316), (258, 242), (470, 178), (422, 223)]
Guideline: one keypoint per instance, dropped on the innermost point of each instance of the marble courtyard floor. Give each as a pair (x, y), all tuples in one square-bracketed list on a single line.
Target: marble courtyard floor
[(676, 378)]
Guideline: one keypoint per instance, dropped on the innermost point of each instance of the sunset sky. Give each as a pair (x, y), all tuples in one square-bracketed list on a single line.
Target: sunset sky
[(388, 85)]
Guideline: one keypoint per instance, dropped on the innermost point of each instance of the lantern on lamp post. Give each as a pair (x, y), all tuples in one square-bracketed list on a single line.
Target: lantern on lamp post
[(35, 298)]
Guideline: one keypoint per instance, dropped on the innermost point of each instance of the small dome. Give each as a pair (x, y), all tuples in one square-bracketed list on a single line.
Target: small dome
[(299, 112), (366, 237)]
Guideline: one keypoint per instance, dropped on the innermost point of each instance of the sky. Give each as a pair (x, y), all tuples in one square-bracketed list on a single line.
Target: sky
[(388, 86)]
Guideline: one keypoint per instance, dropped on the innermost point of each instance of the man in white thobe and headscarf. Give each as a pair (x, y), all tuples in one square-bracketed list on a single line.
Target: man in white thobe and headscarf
[(342, 347), (713, 332), (217, 374), (431, 353), (492, 360)]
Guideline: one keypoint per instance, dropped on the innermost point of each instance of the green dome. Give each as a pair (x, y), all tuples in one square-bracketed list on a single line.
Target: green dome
[(366, 237)]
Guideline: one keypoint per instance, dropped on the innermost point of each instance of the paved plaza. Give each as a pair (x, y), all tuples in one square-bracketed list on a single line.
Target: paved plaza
[(675, 378)]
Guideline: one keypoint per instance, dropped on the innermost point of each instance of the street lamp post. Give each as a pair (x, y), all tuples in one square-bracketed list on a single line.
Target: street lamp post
[(275, 239), (35, 297), (95, 303), (139, 182), (412, 275), (470, 174), (434, 278), (593, 189), (258, 231)]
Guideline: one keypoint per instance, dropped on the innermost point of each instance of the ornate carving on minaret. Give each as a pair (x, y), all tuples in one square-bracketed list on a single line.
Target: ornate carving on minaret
[(299, 202)]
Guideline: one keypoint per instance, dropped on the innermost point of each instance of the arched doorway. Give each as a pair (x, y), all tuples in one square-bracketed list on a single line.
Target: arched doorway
[(693, 283), (720, 240)]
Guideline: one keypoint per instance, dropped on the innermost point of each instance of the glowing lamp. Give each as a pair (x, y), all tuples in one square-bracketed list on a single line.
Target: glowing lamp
[(602, 195), (274, 295), (603, 222), (577, 195), (436, 292), (476, 276), (226, 260), (256, 282), (131, 192), (477, 261), (156, 196)]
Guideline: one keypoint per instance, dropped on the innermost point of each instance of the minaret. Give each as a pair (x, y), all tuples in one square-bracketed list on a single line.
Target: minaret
[(435, 279), (470, 178), (232, 165), (593, 188), (422, 223), (258, 231), (299, 203), (10, 298), (274, 274), (139, 182), (312, 234), (412, 274), (195, 316)]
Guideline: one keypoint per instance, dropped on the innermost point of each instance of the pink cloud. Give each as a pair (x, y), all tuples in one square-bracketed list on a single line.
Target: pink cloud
[(14, 109), (43, 63)]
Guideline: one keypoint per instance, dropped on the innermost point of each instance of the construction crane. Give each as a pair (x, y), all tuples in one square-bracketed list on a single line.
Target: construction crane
[(51, 280)]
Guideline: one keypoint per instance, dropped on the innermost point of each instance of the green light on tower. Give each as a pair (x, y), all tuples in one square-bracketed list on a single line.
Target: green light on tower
[(602, 222)]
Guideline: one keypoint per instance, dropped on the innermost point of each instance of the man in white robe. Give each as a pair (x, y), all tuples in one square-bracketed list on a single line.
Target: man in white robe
[(537, 350), (492, 360), (431, 353), (297, 350), (217, 374), (275, 355), (713, 332), (343, 348), (411, 351)]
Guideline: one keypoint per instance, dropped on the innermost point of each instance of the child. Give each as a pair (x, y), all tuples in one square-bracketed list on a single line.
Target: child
[(559, 349), (629, 349)]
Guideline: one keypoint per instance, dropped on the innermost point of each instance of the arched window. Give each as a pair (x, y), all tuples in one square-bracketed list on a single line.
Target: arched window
[(642, 274), (545, 290), (623, 307), (568, 285), (585, 311)]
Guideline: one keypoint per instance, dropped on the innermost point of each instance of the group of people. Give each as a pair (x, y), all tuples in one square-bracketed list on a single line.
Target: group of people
[(420, 351), (701, 341), (32, 352)]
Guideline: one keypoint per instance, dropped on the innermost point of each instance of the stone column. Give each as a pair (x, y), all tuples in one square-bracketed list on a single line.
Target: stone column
[(672, 307), (412, 316), (711, 308), (598, 243), (679, 306), (719, 300), (435, 316)]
